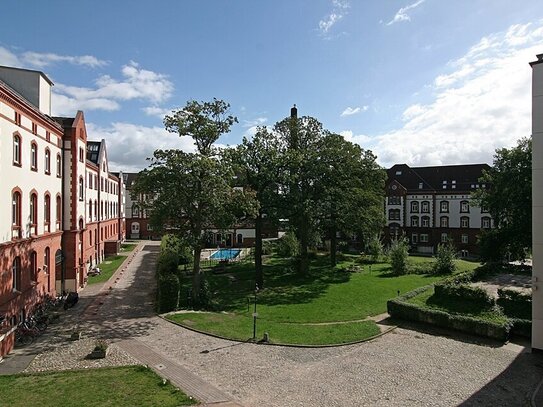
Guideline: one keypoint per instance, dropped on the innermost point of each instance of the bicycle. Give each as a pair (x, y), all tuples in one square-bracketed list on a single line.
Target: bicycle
[(23, 336)]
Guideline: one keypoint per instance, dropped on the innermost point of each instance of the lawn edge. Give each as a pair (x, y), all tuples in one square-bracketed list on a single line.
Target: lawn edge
[(288, 345)]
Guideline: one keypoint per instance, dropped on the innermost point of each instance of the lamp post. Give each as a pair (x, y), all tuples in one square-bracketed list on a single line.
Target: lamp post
[(255, 314)]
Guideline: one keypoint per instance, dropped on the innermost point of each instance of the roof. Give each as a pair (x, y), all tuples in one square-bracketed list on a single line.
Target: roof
[(29, 70), (93, 151), (464, 177), (65, 122), (129, 178)]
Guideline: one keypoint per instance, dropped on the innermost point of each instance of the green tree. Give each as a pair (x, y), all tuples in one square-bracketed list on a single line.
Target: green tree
[(192, 192), (445, 259), (509, 201), (351, 190), (259, 166), (398, 254)]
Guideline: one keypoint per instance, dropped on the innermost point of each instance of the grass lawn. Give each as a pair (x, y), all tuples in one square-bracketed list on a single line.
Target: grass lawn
[(427, 299), (123, 386), (128, 247), (107, 268), (326, 295)]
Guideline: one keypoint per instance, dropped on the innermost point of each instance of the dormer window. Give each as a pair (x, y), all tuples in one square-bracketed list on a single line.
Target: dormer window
[(421, 185), (398, 173)]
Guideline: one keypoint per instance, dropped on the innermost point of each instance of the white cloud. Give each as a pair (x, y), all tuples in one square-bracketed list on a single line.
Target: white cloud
[(137, 83), (8, 58), (259, 121), (157, 111), (129, 145), (401, 14), (339, 10), (349, 111), (360, 139), (41, 60), (484, 104)]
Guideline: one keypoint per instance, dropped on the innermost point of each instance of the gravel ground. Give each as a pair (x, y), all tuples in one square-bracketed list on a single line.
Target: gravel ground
[(71, 355)]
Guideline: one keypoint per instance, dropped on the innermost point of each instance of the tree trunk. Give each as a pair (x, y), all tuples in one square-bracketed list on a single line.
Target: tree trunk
[(333, 246), (259, 278), (196, 275)]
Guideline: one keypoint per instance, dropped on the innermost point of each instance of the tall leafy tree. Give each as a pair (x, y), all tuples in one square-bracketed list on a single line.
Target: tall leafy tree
[(260, 168), (351, 190), (192, 192), (509, 201)]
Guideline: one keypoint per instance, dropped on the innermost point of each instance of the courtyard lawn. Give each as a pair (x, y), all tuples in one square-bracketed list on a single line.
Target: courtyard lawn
[(107, 268), (289, 300), (123, 386), (128, 247)]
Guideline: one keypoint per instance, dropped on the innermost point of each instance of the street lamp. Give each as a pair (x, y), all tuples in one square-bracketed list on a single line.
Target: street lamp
[(255, 314)]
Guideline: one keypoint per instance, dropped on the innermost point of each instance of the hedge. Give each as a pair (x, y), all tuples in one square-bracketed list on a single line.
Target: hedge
[(464, 292), (168, 293), (521, 327), (399, 308), (515, 304)]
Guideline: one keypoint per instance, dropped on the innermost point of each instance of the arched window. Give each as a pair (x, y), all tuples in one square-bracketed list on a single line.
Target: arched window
[(444, 238), (464, 222), (425, 221), (33, 214), (95, 209), (33, 266), (46, 267), (58, 213), (16, 274), (90, 210), (47, 212), (59, 166), (425, 207), (394, 214), (444, 206), (16, 150), (485, 222), (16, 215), (464, 206), (34, 156), (394, 229), (415, 207), (444, 221), (102, 210), (47, 164), (90, 237), (414, 221), (81, 189)]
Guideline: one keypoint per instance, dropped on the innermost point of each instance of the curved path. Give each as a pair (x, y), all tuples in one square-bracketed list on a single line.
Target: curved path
[(403, 368)]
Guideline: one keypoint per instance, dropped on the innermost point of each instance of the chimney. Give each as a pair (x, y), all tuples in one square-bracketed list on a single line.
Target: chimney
[(294, 112)]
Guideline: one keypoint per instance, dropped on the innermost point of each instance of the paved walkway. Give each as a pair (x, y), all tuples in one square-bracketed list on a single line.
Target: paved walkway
[(411, 366)]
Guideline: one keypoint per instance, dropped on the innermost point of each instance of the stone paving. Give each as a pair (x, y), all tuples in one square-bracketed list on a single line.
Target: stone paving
[(410, 366)]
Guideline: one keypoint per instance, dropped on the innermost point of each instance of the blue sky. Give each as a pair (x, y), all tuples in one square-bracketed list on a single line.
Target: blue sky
[(422, 82)]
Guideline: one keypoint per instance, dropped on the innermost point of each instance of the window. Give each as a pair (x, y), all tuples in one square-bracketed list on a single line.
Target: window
[(81, 155), (135, 227), (464, 222), (415, 207), (47, 163), (16, 274), (33, 214), (18, 118), (464, 206), (33, 267), (444, 206), (398, 173), (444, 221), (136, 212), (17, 150), (414, 238), (485, 222), (484, 209), (421, 185), (425, 221), (425, 207), (34, 128), (96, 182), (48, 135), (149, 227), (465, 239), (47, 212), (394, 200), (16, 215), (58, 211), (90, 181), (95, 209), (90, 237), (424, 238), (444, 238), (59, 166), (414, 221), (90, 209), (34, 156), (46, 260), (394, 229), (81, 189)]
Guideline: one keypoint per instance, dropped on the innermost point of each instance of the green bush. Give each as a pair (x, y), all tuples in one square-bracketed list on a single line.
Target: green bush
[(267, 247), (398, 254), (521, 327), (167, 263), (168, 292), (515, 304), (375, 249), (421, 268), (464, 293), (445, 259), (288, 245)]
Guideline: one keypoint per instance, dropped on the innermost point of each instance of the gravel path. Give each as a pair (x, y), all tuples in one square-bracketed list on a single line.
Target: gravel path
[(406, 367)]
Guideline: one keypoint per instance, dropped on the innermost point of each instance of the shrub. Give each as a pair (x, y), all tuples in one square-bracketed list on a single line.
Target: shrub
[(375, 249), (168, 292), (464, 293), (167, 263), (445, 263), (421, 268), (288, 245), (521, 327), (267, 247), (515, 304), (398, 254)]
